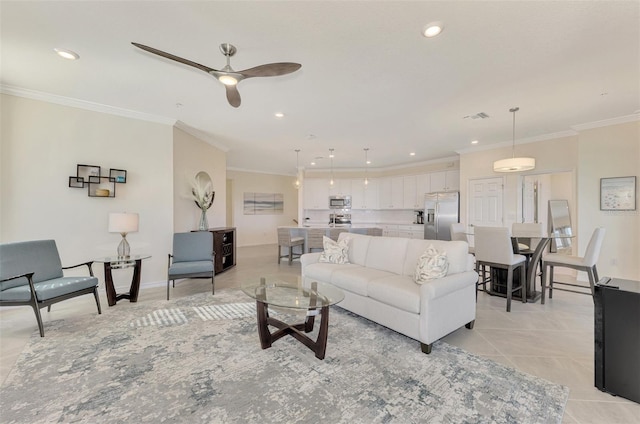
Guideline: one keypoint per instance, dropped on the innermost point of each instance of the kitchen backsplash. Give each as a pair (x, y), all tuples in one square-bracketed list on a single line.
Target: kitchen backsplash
[(366, 216)]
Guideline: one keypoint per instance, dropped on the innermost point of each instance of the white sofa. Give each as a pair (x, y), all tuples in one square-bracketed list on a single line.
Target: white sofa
[(378, 285)]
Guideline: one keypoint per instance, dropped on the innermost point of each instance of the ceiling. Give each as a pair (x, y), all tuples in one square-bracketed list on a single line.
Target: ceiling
[(368, 78)]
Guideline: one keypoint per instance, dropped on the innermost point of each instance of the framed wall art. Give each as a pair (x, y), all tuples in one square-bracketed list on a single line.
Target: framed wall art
[(618, 194)]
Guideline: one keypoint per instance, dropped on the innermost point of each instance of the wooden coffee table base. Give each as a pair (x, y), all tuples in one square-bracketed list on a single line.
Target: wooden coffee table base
[(298, 331)]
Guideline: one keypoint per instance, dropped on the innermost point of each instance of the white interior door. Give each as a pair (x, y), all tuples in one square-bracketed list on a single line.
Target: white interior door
[(485, 202)]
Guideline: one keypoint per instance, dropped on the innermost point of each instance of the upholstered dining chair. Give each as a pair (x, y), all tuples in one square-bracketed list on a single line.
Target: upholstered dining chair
[(286, 240), (192, 258), (528, 234), (459, 233), (314, 238), (493, 249), (586, 263)]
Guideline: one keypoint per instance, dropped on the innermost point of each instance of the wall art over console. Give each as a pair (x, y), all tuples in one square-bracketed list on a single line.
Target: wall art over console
[(97, 185), (618, 194)]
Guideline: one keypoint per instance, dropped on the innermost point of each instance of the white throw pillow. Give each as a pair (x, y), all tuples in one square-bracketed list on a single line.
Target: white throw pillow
[(335, 252), (431, 265)]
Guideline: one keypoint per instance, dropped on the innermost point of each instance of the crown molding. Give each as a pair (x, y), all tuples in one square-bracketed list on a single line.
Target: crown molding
[(83, 104), (201, 135), (607, 122), (253, 171), (387, 168)]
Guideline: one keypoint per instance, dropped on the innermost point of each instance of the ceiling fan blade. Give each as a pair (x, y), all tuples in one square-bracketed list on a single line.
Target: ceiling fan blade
[(271, 70), (174, 57), (233, 96)]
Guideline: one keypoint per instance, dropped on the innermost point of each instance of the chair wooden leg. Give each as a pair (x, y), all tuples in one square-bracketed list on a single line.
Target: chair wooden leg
[(543, 284), (95, 294), (523, 284), (213, 286), (426, 348), (595, 276), (509, 287), (290, 255), (592, 281), (49, 308), (279, 254), (174, 281), (34, 305), (550, 281)]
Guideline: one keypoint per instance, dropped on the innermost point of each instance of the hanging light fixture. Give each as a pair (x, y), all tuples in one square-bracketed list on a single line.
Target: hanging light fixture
[(331, 158), (366, 166), (297, 183), (514, 164)]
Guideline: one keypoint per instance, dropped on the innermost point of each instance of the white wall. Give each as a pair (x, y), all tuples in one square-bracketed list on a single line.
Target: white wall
[(261, 229), (190, 156), (612, 151), (41, 144)]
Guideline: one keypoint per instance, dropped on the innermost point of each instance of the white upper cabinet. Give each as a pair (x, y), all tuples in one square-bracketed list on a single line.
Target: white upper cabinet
[(340, 187), (391, 193), (415, 187), (445, 181), (316, 193), (364, 197)]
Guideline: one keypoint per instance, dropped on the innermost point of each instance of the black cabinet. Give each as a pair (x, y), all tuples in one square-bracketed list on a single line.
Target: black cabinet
[(224, 246), (617, 337)]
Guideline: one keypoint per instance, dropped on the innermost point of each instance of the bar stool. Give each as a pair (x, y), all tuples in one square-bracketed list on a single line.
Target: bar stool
[(314, 238), (285, 240), (587, 263), (494, 249)]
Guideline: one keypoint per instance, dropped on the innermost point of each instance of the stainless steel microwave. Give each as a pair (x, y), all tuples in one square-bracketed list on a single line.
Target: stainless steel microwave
[(339, 202)]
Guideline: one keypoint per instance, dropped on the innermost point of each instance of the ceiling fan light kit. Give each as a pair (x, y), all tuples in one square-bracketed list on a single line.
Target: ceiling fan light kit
[(514, 164), (227, 75)]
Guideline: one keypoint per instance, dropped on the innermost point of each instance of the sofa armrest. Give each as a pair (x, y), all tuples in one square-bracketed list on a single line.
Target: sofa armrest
[(310, 258), (88, 264), (443, 286)]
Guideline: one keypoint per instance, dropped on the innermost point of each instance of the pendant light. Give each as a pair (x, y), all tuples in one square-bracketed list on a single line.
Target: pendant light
[(297, 183), (331, 158), (514, 164), (366, 166)]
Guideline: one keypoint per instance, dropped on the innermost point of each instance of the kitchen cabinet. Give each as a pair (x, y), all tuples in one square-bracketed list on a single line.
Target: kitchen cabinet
[(391, 193), (414, 189), (340, 187), (316, 193), (445, 181), (364, 197)]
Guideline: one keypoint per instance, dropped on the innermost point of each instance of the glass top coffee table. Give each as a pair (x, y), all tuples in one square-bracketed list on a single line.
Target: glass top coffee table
[(315, 300)]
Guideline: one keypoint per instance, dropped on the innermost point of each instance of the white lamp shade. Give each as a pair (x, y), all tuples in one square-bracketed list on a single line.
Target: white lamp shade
[(122, 222), (514, 165)]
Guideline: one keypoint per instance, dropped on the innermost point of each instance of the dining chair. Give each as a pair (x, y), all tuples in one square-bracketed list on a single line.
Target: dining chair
[(528, 234), (285, 239), (459, 233), (192, 257), (334, 233), (586, 263), (493, 249), (314, 238)]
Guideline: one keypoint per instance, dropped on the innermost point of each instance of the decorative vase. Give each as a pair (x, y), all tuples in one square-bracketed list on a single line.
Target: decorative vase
[(204, 224)]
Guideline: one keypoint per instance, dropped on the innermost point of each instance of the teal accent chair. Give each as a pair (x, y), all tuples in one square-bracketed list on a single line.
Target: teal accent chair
[(192, 257), (31, 274)]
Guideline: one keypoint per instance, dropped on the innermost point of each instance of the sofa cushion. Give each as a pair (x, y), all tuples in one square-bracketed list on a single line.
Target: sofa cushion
[(388, 254), (357, 278), (334, 252), (49, 289), (432, 264), (358, 246), (397, 291), (323, 271), (457, 253), (194, 267)]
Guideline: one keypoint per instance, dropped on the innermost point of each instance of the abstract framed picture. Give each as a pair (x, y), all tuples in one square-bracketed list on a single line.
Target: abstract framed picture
[(618, 194), (263, 204)]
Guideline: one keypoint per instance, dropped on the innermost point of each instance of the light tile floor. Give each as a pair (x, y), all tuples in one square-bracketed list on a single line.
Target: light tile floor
[(553, 341)]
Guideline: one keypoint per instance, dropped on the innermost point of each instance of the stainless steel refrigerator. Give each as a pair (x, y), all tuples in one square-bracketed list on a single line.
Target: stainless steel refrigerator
[(441, 209)]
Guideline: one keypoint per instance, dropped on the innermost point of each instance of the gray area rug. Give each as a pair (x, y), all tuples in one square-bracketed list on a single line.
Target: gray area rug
[(198, 360)]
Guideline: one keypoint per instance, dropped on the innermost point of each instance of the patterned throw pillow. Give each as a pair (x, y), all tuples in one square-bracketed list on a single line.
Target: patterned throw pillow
[(335, 252), (431, 265)]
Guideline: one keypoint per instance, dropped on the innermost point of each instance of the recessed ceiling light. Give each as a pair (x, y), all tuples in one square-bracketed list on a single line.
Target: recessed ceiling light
[(279, 115), (474, 142), (67, 54), (412, 154), (313, 163), (432, 29)]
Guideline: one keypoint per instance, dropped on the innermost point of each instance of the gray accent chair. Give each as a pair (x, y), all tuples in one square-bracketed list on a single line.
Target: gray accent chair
[(192, 257), (31, 274)]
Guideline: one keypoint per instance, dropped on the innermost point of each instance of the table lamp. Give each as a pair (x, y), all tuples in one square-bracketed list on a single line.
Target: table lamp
[(123, 223)]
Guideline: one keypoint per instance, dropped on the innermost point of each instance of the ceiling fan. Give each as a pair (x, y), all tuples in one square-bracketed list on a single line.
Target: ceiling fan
[(227, 75)]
